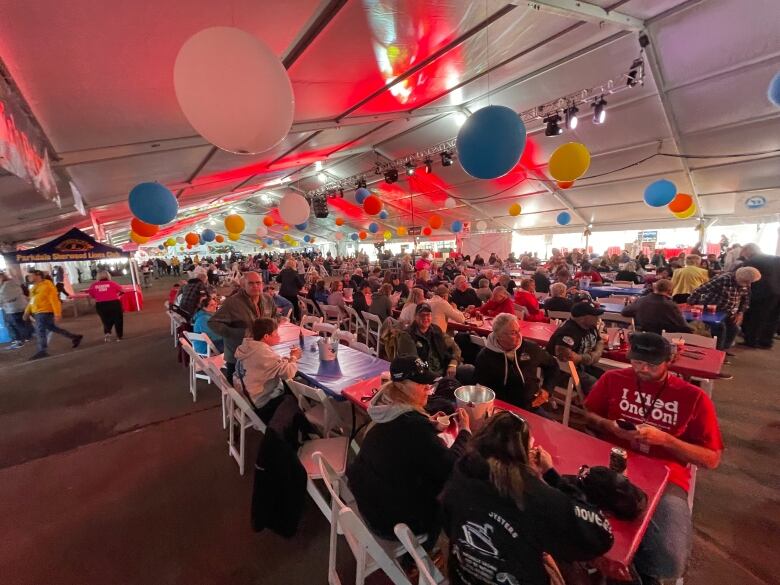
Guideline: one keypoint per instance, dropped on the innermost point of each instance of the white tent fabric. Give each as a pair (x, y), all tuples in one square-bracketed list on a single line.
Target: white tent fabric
[(486, 244)]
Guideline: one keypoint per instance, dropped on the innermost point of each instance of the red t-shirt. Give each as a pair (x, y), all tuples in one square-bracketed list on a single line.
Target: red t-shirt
[(680, 409), (528, 300), (594, 276), (105, 290)]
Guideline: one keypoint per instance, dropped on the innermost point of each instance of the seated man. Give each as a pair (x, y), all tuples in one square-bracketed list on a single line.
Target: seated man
[(464, 297), (657, 311), (260, 371), (558, 301), (645, 409), (428, 342), (443, 311), (484, 292), (525, 296), (508, 365), (587, 271), (193, 293), (579, 341)]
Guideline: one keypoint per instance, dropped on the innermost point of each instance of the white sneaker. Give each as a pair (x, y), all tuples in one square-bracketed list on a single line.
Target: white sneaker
[(15, 345), (106, 338)]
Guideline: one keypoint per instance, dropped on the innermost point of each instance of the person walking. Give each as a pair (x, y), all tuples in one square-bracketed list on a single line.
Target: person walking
[(106, 293), (46, 309), (13, 302)]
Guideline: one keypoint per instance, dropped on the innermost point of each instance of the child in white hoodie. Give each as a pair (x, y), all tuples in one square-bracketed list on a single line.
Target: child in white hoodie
[(260, 370)]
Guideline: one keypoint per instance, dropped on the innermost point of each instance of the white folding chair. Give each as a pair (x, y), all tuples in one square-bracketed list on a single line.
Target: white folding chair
[(560, 315), (329, 329), (176, 321), (477, 340), (333, 449), (319, 409), (333, 315), (573, 388), (373, 331), (345, 336), (429, 573), (360, 346), (197, 367), (619, 319), (355, 323), (309, 321), (371, 553)]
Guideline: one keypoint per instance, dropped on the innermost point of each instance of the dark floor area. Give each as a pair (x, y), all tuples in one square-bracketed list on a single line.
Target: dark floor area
[(109, 473)]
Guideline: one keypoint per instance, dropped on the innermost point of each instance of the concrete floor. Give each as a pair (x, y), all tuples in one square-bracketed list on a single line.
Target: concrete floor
[(109, 473)]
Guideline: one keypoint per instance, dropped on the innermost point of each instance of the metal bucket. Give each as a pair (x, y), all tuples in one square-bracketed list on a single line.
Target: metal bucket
[(328, 349), (478, 402)]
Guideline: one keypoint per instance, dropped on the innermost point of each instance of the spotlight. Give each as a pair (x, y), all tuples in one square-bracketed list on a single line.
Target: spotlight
[(446, 159), (428, 165), (322, 177), (552, 125), (318, 165), (636, 73), (599, 110), (571, 117), (391, 176), (409, 168)]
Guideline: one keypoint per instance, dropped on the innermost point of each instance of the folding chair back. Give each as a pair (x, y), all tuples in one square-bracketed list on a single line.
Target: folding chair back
[(325, 329), (477, 340), (373, 331), (355, 323), (360, 346), (318, 409), (573, 390), (309, 321), (344, 336), (429, 573), (693, 339), (196, 368), (332, 315), (562, 315), (617, 298), (619, 320), (624, 283), (211, 349)]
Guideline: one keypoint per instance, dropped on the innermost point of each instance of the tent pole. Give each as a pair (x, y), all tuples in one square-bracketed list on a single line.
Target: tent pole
[(134, 282)]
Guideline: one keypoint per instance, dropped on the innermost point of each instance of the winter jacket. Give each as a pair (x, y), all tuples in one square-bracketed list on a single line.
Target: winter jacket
[(12, 299), (262, 370), (290, 282), (192, 294), (513, 375), (493, 540), (200, 324), (381, 306), (656, 313), (401, 468), (233, 321), (558, 304), (433, 347), (528, 300), (44, 298), (492, 308), (463, 299)]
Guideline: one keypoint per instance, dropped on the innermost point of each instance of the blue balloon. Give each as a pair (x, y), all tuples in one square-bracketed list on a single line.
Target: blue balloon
[(774, 90), (306, 238), (383, 214), (208, 235), (301, 226), (153, 203), (660, 193), (361, 194), (201, 241), (269, 241), (564, 217), (354, 237), (490, 142), (373, 228), (456, 226), (160, 247)]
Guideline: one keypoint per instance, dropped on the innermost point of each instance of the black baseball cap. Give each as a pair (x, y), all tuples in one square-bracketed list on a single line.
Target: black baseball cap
[(423, 308), (411, 368), (650, 348), (584, 308)]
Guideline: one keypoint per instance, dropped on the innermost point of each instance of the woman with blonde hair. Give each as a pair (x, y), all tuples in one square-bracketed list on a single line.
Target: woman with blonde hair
[(106, 293), (504, 511), (403, 464), (416, 296)]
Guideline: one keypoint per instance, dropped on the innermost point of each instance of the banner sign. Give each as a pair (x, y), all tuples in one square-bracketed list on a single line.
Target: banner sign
[(19, 157), (414, 230), (74, 245)]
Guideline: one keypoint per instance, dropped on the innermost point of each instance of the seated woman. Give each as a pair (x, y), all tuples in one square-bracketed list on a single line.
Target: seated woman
[(558, 300), (336, 296), (362, 298), (499, 303), (416, 296), (629, 273), (505, 514), (525, 296), (260, 371), (403, 464), (200, 324), (318, 293), (382, 303)]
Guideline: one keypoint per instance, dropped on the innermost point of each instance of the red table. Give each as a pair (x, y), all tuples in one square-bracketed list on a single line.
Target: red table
[(570, 449), (131, 301), (707, 367), (537, 332)]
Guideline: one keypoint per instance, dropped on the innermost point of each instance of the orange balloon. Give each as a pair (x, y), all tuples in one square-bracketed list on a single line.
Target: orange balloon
[(435, 221), (138, 239), (564, 184), (147, 230), (189, 246), (339, 221), (681, 202), (362, 235), (372, 205), (192, 239), (268, 220), (220, 238)]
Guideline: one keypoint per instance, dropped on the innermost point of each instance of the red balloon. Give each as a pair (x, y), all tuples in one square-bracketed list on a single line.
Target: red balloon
[(191, 239), (339, 221), (435, 221), (189, 246), (427, 231), (147, 230), (565, 184), (220, 238), (362, 235), (681, 202), (372, 205)]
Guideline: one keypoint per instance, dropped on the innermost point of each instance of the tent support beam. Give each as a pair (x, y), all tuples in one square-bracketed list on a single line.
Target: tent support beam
[(585, 11)]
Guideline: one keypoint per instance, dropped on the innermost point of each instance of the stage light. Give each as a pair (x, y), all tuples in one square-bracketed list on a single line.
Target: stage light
[(428, 165), (553, 129), (391, 176), (409, 168), (318, 165), (636, 73), (599, 110), (571, 117), (446, 159)]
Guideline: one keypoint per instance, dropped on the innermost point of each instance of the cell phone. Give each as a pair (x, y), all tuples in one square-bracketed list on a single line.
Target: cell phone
[(626, 425)]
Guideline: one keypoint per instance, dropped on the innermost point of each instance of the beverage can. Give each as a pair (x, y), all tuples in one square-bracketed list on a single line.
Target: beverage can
[(618, 460)]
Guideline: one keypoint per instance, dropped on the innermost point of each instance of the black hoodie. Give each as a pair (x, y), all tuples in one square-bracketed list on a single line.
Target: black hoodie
[(493, 541)]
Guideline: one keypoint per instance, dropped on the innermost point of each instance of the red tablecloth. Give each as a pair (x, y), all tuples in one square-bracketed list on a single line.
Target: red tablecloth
[(537, 332), (707, 367), (570, 449), (132, 301)]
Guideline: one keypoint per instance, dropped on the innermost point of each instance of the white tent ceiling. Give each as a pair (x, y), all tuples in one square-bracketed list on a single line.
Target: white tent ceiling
[(97, 77)]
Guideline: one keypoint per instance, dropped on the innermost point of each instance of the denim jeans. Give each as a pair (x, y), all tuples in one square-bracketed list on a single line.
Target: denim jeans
[(44, 322), (19, 329), (666, 546)]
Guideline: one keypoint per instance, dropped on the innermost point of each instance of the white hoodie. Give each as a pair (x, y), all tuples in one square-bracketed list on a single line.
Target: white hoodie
[(263, 370)]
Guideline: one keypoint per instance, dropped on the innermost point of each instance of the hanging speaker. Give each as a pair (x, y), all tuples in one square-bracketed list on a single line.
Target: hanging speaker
[(319, 206)]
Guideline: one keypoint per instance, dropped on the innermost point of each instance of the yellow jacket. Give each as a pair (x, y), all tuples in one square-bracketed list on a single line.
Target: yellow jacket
[(44, 298), (686, 280)]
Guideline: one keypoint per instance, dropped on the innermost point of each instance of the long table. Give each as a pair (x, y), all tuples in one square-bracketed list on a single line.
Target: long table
[(537, 332), (712, 319), (570, 449), (608, 290)]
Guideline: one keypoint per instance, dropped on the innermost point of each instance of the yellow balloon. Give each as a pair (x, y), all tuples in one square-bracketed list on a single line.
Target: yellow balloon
[(401, 231), (569, 162), (235, 224), (286, 227), (138, 239), (687, 213), (233, 237), (257, 241), (388, 235), (515, 209)]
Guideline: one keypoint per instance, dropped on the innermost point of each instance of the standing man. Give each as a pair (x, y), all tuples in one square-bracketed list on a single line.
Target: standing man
[(644, 409), (233, 320), (760, 323), (685, 280), (46, 310), (13, 303)]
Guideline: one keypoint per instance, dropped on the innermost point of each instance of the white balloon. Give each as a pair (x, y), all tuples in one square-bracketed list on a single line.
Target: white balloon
[(450, 203), (261, 231), (339, 236), (234, 90), (481, 226), (294, 209)]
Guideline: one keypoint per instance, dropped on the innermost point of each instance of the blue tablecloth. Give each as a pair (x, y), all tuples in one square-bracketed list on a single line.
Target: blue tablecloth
[(351, 367), (605, 291), (706, 317)]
